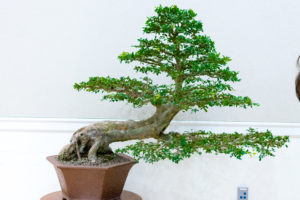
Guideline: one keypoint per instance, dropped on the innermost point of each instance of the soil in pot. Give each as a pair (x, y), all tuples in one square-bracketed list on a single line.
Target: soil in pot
[(101, 161)]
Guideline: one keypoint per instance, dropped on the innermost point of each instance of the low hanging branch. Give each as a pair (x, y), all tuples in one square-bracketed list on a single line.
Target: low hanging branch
[(176, 147), (176, 47)]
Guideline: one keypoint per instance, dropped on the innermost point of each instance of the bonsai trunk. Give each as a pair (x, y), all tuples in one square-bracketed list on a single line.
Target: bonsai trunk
[(95, 139)]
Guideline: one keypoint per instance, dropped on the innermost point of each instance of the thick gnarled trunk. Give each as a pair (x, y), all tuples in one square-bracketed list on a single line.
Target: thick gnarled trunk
[(95, 138)]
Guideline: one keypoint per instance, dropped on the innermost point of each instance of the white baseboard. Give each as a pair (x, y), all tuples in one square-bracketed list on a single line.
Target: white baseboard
[(70, 125)]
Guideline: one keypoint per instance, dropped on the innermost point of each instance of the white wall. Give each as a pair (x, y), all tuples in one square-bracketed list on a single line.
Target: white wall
[(46, 46)]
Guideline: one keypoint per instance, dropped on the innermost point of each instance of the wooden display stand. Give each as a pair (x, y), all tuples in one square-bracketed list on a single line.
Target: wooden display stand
[(126, 195)]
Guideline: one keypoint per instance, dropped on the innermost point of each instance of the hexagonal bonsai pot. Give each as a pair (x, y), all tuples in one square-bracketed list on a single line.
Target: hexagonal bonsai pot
[(92, 182)]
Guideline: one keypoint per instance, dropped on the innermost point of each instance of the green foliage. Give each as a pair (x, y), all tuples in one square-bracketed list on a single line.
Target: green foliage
[(137, 92), (176, 147), (175, 47)]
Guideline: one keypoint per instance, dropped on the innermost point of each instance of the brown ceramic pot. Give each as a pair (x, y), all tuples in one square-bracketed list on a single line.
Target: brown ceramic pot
[(92, 182)]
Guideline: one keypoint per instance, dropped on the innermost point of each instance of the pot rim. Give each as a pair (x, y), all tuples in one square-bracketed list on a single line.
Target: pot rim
[(53, 159)]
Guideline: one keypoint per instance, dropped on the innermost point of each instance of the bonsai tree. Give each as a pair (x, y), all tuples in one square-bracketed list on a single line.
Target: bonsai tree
[(177, 48)]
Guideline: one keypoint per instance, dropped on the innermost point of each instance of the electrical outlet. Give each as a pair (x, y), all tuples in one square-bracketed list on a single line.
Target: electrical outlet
[(243, 193)]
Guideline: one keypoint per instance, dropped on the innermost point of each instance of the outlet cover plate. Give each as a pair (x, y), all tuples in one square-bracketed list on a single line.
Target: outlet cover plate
[(243, 193)]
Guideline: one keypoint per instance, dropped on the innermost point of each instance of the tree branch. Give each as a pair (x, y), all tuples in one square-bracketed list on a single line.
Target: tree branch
[(175, 146)]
